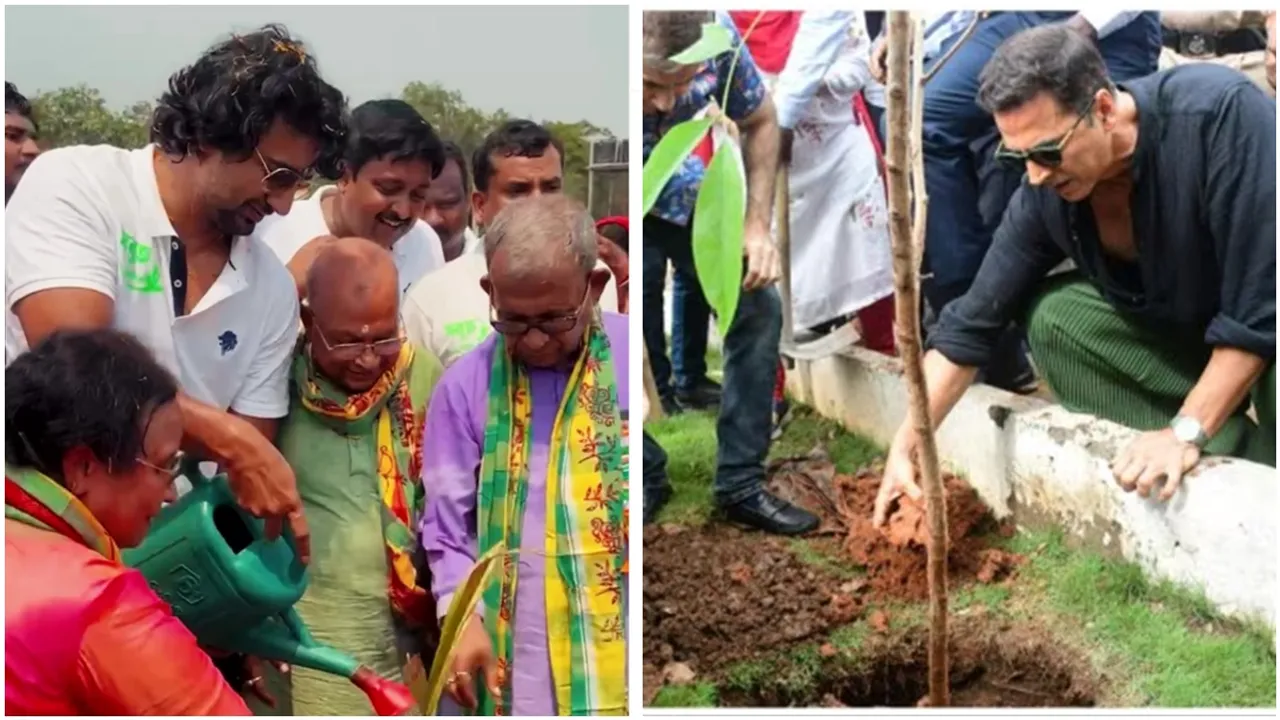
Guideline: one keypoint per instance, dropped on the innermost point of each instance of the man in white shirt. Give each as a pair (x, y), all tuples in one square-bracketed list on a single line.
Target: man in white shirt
[(154, 242), (448, 208), (391, 156), (968, 192), (447, 312)]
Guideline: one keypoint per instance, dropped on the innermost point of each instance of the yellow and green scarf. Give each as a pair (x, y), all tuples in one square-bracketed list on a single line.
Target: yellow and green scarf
[(399, 438), (33, 498), (586, 534)]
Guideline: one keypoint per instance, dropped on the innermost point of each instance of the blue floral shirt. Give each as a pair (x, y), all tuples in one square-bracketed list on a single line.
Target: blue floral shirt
[(747, 92)]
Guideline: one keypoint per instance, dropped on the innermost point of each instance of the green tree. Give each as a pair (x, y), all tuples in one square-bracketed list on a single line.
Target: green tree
[(79, 116)]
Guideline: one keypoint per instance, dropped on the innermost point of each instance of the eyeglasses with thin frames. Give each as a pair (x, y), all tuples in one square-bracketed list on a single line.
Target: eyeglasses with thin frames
[(550, 326), (1046, 154), (384, 348), (172, 469), (281, 178)]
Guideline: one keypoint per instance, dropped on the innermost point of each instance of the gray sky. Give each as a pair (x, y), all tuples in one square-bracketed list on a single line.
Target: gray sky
[(553, 63)]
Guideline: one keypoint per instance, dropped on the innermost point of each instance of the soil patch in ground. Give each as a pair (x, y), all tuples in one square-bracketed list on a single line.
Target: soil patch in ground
[(895, 556), (717, 595), (992, 665)]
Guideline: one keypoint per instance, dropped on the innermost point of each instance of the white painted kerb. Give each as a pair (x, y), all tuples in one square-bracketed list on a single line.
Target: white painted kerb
[(1033, 459)]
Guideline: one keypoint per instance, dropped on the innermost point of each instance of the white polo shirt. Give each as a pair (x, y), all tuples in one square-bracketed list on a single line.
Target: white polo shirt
[(447, 312), (417, 253), (91, 217)]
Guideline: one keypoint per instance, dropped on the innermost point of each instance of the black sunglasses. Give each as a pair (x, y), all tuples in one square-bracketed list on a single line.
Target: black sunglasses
[(1046, 154)]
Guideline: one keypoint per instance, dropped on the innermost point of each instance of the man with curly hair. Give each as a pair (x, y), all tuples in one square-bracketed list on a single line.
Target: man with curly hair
[(152, 241)]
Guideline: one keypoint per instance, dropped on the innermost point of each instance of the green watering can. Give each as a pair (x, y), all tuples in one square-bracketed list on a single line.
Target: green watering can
[(235, 590)]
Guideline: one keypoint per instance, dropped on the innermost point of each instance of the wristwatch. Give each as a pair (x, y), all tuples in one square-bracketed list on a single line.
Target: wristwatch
[(1188, 430)]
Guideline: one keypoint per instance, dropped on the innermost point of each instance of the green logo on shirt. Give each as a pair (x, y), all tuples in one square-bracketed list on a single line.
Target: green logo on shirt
[(139, 272), (467, 334)]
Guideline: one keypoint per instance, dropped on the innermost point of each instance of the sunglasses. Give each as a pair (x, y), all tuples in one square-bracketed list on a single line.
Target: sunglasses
[(550, 326), (385, 348), (281, 178), (1047, 154)]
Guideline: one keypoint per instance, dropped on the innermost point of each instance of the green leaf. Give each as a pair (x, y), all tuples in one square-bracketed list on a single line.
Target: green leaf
[(666, 157), (717, 235), (462, 607), (715, 40)]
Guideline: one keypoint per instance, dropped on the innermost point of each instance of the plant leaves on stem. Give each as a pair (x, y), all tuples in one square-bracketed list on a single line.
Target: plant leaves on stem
[(667, 156), (715, 40), (461, 609), (717, 235)]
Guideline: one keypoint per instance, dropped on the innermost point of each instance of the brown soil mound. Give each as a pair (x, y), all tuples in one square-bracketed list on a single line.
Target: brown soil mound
[(896, 556), (718, 595)]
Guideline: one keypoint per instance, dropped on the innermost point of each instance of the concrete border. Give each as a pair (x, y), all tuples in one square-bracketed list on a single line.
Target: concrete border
[(1043, 465)]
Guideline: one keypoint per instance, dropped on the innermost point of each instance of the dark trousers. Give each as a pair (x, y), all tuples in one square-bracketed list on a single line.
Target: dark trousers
[(690, 320), (750, 364)]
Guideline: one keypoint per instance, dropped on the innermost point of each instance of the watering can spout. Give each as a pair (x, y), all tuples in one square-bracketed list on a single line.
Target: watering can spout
[(387, 697)]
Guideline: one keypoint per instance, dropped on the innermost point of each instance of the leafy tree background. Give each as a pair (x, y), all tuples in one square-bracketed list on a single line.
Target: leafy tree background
[(80, 116)]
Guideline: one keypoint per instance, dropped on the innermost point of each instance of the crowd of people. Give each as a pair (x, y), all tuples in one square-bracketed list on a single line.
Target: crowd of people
[(1101, 226), (399, 355)]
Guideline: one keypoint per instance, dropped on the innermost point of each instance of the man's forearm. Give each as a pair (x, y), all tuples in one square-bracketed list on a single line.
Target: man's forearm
[(209, 432), (946, 382), (1224, 384), (760, 155)]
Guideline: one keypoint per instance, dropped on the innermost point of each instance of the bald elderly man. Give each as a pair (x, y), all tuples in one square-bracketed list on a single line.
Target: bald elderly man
[(527, 445), (353, 436)]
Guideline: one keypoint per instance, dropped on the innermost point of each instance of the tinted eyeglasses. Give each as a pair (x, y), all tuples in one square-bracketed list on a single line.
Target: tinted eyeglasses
[(281, 178), (173, 468), (385, 348), (1047, 154), (549, 326)]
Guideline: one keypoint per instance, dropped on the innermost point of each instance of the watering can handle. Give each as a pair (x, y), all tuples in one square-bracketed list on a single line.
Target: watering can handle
[(190, 469)]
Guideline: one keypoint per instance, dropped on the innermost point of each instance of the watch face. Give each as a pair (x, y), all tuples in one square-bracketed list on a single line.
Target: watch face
[(1186, 430)]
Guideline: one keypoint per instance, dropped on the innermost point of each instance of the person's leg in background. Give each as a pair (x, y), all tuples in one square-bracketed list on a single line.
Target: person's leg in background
[(691, 324), (657, 487), (655, 240), (746, 411), (956, 236), (1133, 51)]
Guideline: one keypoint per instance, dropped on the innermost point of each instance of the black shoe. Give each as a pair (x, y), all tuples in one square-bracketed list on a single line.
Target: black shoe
[(670, 406), (654, 500), (772, 515), (702, 396)]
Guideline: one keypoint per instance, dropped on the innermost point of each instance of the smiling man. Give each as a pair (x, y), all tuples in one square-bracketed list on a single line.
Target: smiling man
[(391, 156), (154, 241), (20, 132), (1162, 192)]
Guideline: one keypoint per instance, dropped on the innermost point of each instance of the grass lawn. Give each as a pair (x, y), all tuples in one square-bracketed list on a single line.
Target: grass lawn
[(1154, 643)]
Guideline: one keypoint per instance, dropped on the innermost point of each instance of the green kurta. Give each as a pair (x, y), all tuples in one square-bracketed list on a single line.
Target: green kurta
[(346, 603)]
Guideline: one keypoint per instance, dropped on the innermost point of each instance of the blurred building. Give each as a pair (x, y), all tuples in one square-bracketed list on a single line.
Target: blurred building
[(607, 177)]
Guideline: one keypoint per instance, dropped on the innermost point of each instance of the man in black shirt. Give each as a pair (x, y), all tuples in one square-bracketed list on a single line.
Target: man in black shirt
[(1162, 193)]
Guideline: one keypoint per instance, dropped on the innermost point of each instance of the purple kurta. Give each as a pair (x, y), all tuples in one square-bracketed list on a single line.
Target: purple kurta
[(452, 448)]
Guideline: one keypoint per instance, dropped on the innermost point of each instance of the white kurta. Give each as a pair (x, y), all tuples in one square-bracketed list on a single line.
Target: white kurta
[(840, 254)]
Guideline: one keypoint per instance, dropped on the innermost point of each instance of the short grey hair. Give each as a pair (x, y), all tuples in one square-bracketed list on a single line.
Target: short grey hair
[(542, 231), (668, 33)]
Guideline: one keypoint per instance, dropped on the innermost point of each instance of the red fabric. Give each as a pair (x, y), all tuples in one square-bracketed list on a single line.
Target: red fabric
[(86, 636), (615, 220), (877, 326), (770, 41), (704, 149), (780, 383), (864, 119)]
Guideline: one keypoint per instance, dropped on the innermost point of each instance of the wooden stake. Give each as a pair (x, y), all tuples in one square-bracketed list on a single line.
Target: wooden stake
[(904, 133), (782, 216)]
